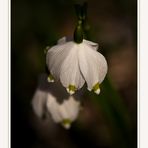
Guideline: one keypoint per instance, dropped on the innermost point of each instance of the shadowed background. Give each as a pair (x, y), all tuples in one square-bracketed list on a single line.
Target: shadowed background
[(106, 121)]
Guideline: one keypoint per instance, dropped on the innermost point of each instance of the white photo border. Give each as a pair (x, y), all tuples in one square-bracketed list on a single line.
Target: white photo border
[(5, 73)]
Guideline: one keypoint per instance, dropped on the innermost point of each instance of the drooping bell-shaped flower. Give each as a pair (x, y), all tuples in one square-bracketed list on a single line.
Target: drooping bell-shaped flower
[(53, 99), (64, 113), (76, 63)]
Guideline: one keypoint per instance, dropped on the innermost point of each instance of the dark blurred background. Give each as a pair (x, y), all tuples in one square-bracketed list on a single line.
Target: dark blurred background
[(106, 121)]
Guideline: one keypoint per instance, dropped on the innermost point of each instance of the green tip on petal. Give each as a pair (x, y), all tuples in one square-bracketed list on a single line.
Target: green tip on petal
[(71, 89), (46, 49), (50, 78), (96, 88), (66, 123)]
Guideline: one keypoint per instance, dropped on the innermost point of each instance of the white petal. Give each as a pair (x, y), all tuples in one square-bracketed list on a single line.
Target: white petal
[(38, 102), (55, 57), (53, 108), (93, 45), (73, 107), (93, 66), (62, 40), (70, 71), (67, 111)]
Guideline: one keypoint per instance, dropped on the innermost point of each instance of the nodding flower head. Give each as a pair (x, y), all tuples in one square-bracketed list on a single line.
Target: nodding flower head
[(64, 113), (74, 64), (52, 99)]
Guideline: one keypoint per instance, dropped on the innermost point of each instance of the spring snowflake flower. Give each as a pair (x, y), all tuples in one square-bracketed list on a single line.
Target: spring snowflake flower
[(64, 113), (53, 100), (74, 64)]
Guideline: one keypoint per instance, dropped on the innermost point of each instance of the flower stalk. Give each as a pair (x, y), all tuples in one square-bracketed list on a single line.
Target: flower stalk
[(81, 12), (78, 33)]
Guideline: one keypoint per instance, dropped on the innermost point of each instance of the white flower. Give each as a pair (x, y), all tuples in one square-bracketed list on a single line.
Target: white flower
[(64, 113), (53, 99), (74, 64)]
